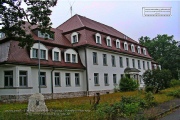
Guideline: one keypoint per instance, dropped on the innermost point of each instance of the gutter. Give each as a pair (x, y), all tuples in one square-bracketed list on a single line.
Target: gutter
[(52, 89), (87, 83)]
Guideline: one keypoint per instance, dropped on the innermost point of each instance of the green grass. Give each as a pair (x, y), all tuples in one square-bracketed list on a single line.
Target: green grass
[(72, 108)]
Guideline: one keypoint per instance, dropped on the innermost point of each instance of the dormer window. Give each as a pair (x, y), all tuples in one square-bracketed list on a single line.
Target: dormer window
[(56, 54), (132, 48), (117, 44), (125, 46), (74, 37), (144, 51), (71, 55), (108, 41), (139, 49), (98, 38), (44, 35), (43, 51)]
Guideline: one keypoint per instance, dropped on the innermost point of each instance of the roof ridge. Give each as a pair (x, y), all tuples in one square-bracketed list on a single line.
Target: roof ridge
[(80, 20)]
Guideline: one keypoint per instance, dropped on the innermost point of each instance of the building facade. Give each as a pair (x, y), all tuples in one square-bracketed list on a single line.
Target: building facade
[(84, 57)]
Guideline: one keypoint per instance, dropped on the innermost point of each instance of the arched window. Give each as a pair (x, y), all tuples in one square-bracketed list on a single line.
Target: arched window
[(144, 51), (132, 48), (98, 38), (56, 54), (34, 53), (139, 49), (117, 43), (74, 37), (125, 46), (108, 41), (71, 55)]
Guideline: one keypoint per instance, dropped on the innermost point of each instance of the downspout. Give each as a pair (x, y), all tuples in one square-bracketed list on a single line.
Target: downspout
[(87, 83), (52, 89)]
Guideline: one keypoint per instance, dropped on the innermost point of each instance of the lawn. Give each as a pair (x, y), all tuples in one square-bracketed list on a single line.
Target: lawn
[(72, 108)]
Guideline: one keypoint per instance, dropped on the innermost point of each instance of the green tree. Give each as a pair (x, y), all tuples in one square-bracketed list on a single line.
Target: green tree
[(163, 50), (13, 17), (157, 79)]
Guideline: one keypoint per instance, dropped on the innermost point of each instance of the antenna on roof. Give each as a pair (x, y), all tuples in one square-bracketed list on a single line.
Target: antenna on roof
[(71, 6)]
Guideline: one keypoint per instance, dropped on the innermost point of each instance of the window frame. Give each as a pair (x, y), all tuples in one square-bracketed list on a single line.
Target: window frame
[(118, 45), (133, 63), (77, 79), (113, 60), (114, 79), (127, 62), (126, 46), (24, 78), (97, 35), (96, 79), (41, 79), (108, 41), (68, 79), (57, 79), (10, 79), (139, 64), (132, 48), (121, 62), (95, 59), (104, 59), (106, 79)]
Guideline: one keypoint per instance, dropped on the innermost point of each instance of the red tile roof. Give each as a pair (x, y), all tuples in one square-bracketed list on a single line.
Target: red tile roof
[(22, 56), (78, 21)]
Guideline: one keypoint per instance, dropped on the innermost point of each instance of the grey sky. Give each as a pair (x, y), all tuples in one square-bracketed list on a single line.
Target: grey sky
[(125, 16)]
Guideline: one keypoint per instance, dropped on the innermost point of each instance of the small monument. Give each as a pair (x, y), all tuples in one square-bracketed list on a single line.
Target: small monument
[(36, 103)]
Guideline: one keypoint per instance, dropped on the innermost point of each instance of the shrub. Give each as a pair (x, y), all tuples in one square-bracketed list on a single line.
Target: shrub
[(159, 79), (128, 84), (174, 83), (149, 98), (175, 93)]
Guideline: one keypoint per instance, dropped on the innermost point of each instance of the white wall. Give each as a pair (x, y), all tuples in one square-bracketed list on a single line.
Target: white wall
[(109, 69)]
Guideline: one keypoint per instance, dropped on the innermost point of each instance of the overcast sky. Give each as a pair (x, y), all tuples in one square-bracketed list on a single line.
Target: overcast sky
[(125, 16)]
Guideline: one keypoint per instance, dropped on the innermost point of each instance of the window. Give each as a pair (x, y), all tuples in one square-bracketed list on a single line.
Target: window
[(94, 58), (144, 51), (148, 65), (22, 78), (35, 53), (143, 65), (133, 63), (98, 38), (42, 78), (113, 60), (108, 41), (43, 54), (57, 79), (96, 78), (117, 44), (114, 79), (68, 80), (73, 58), (2, 35), (77, 81), (106, 79), (132, 48), (70, 55), (125, 46), (56, 56), (127, 62), (139, 65), (121, 61), (104, 59), (8, 78), (139, 49), (74, 37), (68, 59), (44, 35)]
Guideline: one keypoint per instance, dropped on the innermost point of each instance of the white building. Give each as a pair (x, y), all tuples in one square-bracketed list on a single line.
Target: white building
[(83, 57)]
